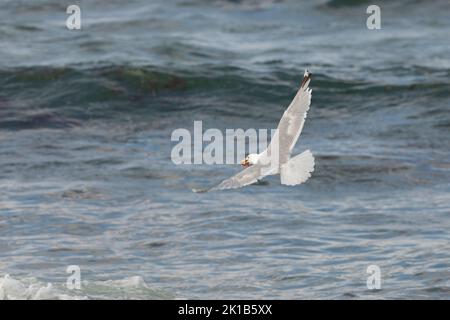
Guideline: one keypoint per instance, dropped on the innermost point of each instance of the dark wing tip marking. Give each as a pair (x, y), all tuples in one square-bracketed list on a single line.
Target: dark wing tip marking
[(306, 78)]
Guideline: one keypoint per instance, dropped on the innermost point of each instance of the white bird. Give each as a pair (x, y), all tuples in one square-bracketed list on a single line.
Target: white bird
[(276, 159)]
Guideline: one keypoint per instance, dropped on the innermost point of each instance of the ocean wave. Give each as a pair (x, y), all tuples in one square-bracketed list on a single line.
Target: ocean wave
[(129, 82), (32, 289), (51, 97), (345, 3)]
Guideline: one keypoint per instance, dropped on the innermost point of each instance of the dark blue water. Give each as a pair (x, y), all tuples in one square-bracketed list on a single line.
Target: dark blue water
[(85, 171)]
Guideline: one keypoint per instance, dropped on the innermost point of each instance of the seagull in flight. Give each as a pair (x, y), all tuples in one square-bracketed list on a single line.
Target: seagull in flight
[(276, 159)]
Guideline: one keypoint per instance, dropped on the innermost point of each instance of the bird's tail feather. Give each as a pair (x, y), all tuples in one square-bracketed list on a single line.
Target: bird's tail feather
[(298, 169)]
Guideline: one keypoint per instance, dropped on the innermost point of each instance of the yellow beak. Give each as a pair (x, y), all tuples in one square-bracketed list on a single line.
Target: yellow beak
[(245, 163)]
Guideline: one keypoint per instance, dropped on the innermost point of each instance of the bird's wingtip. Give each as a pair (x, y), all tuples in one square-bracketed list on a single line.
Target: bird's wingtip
[(306, 77)]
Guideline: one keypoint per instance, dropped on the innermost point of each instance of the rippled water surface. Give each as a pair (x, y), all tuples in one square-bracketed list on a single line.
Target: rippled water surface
[(85, 171)]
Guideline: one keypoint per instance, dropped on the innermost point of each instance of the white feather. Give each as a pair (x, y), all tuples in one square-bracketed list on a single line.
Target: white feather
[(298, 169)]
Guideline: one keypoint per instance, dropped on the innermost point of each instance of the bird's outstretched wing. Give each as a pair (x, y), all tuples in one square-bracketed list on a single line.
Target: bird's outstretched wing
[(291, 123), (247, 176)]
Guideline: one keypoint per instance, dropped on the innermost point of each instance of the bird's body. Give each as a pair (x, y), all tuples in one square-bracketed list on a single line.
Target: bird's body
[(276, 159)]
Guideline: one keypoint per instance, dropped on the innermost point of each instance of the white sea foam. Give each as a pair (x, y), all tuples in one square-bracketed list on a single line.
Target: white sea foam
[(32, 289)]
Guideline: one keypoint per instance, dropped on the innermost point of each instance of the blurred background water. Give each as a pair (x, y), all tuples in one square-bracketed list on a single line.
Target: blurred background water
[(86, 176)]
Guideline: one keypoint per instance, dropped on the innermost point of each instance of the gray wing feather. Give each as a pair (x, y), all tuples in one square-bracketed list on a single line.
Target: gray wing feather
[(291, 123), (245, 177)]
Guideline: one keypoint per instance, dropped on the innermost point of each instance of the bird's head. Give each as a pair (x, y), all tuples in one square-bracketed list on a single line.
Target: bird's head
[(249, 160)]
